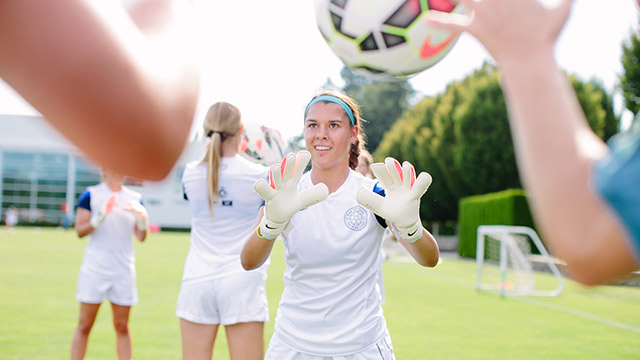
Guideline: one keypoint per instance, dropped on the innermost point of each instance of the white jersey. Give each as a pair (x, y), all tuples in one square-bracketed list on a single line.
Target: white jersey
[(11, 217), (331, 302), (109, 252), (217, 241)]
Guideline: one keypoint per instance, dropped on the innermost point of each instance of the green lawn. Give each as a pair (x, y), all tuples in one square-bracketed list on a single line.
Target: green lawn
[(431, 313)]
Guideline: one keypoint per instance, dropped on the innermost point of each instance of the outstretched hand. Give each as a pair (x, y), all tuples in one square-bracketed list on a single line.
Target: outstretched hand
[(140, 213), (281, 196), (98, 216), (401, 205), (508, 28)]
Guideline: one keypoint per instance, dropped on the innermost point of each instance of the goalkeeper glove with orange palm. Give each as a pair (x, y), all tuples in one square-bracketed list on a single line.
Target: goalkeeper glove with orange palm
[(401, 205)]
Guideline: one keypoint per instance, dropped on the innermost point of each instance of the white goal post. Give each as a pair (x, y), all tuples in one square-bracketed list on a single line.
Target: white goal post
[(504, 261)]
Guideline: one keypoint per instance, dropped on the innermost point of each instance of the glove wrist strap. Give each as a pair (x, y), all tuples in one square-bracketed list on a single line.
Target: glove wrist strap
[(96, 220), (411, 233), (141, 224), (269, 230)]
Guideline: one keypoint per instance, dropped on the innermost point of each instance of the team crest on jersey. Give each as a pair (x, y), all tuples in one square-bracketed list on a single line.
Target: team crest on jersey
[(356, 218), (223, 194)]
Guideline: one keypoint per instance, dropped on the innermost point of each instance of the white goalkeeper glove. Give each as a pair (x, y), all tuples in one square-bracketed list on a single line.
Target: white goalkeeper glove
[(97, 217), (140, 213), (281, 196), (401, 205)]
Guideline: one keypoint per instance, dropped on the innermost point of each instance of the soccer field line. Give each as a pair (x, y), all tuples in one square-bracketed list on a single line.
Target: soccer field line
[(581, 314), (471, 285)]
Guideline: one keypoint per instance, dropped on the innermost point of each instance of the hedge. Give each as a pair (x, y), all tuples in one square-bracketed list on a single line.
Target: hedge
[(508, 207)]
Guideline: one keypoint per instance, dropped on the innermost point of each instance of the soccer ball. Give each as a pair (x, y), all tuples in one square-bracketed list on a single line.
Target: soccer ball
[(385, 38), (261, 144)]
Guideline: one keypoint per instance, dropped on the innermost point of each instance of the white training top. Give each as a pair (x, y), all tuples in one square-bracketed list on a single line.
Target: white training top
[(11, 217), (216, 242), (109, 251), (331, 301)]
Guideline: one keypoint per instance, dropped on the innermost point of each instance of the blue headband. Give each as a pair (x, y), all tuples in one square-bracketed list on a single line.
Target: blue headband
[(335, 100)]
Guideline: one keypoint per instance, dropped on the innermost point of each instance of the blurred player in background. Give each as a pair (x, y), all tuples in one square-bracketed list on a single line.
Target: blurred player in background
[(364, 163), (104, 78), (11, 218), (585, 196), (332, 236), (215, 289), (109, 213)]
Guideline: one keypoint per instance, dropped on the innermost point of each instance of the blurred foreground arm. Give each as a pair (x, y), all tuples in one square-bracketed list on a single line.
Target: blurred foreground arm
[(555, 147), (125, 93)]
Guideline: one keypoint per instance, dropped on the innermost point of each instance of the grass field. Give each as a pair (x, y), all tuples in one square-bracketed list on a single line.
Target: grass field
[(431, 313)]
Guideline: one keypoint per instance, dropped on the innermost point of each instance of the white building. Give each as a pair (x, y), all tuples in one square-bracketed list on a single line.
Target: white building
[(42, 174)]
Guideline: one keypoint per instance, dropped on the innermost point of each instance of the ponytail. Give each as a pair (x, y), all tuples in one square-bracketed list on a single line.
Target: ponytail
[(354, 153), (213, 165)]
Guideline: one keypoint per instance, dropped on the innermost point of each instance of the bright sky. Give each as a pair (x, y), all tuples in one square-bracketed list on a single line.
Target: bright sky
[(268, 58)]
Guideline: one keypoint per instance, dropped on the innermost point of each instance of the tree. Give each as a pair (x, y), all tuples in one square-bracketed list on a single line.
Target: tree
[(381, 103), (353, 82), (462, 138), (630, 78), (484, 156), (598, 107)]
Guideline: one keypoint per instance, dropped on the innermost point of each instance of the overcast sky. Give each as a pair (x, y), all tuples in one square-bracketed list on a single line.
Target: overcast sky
[(269, 59)]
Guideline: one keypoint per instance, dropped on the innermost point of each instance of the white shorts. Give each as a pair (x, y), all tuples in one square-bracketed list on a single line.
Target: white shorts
[(233, 299), (383, 350), (93, 289)]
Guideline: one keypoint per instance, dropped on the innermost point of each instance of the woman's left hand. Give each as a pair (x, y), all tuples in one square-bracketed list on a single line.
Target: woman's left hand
[(401, 205)]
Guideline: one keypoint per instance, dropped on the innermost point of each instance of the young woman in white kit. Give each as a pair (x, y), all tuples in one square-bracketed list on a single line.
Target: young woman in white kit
[(110, 214), (215, 289), (330, 307)]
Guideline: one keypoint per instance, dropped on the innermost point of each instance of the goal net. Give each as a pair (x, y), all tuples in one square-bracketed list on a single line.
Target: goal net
[(507, 263)]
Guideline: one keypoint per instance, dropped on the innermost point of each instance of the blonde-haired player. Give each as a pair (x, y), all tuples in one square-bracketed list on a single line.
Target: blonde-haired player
[(215, 288)]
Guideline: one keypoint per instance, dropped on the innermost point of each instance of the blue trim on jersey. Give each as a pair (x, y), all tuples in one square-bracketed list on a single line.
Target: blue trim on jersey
[(380, 191), (617, 179), (84, 201)]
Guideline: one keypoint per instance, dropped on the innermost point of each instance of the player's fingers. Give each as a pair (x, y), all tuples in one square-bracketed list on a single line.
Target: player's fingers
[(379, 170), (138, 213), (275, 175), (395, 170), (111, 202), (140, 209), (371, 201), (313, 195), (302, 159), (561, 11), (450, 21), (264, 190), (408, 175), (468, 4), (288, 164), (421, 185)]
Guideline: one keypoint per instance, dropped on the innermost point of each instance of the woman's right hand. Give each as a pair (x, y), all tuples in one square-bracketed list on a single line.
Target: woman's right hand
[(281, 196)]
